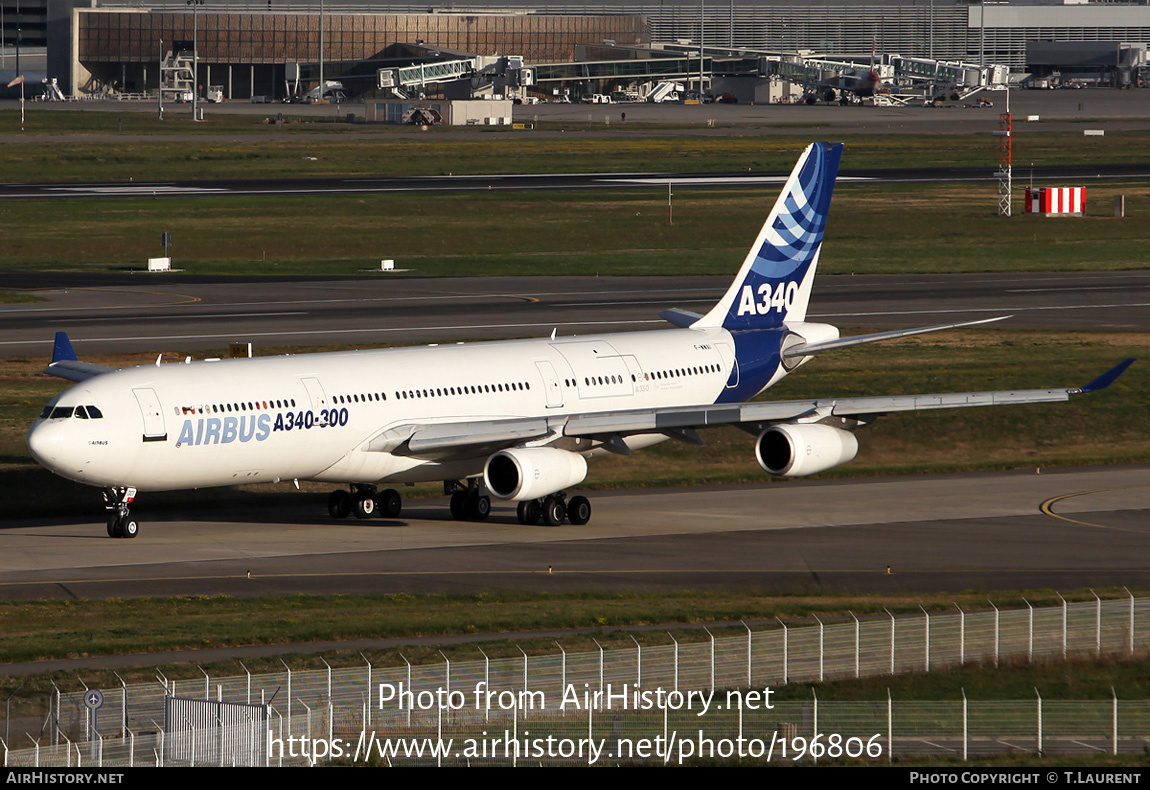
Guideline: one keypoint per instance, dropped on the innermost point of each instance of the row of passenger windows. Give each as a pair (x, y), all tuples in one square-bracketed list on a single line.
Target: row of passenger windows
[(63, 412), (470, 389), (371, 396), (681, 372), (656, 376), (225, 408), (592, 380)]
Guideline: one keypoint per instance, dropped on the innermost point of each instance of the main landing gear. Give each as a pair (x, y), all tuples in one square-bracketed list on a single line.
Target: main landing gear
[(468, 503), (553, 510), (120, 522), (365, 502)]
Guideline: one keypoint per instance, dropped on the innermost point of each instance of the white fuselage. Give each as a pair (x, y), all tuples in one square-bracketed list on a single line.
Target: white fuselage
[(321, 416)]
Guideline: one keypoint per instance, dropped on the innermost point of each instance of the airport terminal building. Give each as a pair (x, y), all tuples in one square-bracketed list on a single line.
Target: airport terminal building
[(97, 46)]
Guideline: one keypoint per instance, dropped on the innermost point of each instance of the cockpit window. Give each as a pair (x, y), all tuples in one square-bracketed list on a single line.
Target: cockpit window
[(47, 412), (95, 413), (81, 413), (61, 412)]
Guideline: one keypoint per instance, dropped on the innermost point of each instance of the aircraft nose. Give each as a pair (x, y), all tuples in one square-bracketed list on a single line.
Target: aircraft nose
[(45, 443)]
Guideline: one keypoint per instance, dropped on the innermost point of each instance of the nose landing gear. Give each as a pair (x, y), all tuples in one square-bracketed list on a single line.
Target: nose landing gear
[(120, 522)]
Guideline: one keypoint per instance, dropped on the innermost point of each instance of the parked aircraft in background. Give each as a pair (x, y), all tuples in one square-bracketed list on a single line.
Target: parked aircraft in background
[(515, 420), (844, 88)]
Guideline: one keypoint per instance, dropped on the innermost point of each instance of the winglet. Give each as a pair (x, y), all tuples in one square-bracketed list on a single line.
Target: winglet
[(63, 351), (1107, 378)]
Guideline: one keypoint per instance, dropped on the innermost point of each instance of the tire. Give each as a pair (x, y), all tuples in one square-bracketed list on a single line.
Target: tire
[(364, 506), (113, 526), (554, 511), (339, 504), (529, 512), (579, 510), (478, 508), (129, 527), (390, 503), (459, 505)]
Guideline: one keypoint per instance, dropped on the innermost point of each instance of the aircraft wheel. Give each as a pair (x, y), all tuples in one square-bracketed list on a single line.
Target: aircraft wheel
[(554, 511), (114, 526), (579, 510), (364, 505), (390, 503), (530, 512), (459, 505), (339, 504), (129, 527), (479, 508)]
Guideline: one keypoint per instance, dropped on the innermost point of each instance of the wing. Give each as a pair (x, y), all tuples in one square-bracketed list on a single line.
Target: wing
[(754, 414), (474, 438)]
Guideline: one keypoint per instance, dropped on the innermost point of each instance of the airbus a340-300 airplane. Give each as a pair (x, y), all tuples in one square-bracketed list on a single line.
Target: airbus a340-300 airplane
[(515, 420)]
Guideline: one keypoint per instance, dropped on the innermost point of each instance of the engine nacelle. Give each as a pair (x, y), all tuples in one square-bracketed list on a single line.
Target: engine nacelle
[(532, 472), (797, 450)]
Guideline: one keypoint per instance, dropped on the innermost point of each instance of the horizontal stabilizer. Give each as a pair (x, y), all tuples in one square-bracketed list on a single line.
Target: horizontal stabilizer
[(65, 365), (679, 317), (807, 349), (75, 370)]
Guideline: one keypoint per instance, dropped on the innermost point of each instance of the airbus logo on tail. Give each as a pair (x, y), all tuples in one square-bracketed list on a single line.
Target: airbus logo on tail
[(782, 299)]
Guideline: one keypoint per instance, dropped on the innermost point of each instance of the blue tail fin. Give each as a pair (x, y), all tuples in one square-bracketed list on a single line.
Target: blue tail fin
[(774, 283), (62, 349)]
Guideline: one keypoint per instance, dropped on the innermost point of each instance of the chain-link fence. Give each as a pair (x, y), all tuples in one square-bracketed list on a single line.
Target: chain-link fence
[(336, 702), (787, 732)]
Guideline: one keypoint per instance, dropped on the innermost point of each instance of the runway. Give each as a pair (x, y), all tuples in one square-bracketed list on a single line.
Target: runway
[(936, 533), (137, 313), (543, 182)]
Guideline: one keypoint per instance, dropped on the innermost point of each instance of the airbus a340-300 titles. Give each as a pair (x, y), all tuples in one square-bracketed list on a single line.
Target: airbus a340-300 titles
[(515, 420)]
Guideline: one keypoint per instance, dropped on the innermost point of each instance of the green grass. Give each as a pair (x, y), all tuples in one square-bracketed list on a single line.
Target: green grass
[(873, 230), (43, 630), (19, 297), (150, 149)]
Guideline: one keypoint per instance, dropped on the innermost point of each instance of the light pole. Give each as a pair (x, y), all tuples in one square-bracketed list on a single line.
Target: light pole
[(195, 4), (19, 74), (160, 86)]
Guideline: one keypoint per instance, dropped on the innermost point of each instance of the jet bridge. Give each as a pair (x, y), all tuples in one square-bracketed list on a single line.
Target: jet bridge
[(427, 73), (482, 71), (902, 78)]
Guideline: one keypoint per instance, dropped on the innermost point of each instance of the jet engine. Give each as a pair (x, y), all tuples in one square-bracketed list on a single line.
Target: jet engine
[(525, 473), (797, 450)]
